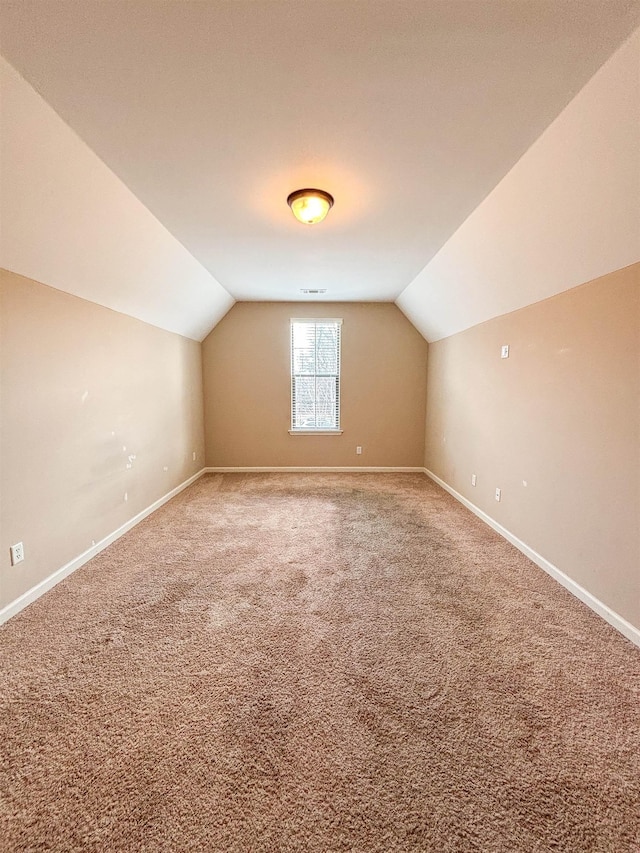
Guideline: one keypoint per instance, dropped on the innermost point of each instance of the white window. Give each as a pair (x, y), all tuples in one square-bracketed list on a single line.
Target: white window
[(315, 375)]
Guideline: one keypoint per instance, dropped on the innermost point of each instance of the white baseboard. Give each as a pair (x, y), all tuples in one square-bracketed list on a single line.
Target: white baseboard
[(630, 631), (39, 589), (359, 469)]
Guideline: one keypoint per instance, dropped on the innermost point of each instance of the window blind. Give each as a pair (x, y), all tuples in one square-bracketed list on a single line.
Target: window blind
[(315, 375)]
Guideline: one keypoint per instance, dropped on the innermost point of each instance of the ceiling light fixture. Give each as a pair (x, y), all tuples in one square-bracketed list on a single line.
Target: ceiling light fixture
[(310, 206)]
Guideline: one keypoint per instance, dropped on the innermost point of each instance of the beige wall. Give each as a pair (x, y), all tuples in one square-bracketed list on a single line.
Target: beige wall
[(562, 414), (247, 388), (80, 383)]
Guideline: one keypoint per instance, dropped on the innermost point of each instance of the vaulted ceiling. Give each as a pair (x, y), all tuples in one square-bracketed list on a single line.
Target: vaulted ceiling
[(409, 112)]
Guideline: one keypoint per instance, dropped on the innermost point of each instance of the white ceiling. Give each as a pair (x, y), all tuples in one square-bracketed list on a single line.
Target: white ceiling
[(68, 222), (567, 213), (408, 111)]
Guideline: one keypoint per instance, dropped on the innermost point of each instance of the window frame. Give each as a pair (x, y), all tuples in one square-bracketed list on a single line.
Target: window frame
[(307, 430)]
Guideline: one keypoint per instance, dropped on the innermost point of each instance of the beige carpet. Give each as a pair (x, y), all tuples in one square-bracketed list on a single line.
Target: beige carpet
[(316, 663)]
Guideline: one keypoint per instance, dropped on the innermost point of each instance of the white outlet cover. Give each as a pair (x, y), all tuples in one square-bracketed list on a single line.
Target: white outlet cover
[(473, 479), (504, 352), (17, 553), (498, 494)]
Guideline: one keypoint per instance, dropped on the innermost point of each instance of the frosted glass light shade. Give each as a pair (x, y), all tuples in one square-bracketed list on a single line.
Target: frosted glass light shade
[(310, 206)]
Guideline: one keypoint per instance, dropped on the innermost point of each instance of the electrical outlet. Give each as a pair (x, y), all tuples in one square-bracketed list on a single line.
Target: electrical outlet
[(504, 352), (358, 450), (193, 456), (473, 479), (498, 494), (17, 553)]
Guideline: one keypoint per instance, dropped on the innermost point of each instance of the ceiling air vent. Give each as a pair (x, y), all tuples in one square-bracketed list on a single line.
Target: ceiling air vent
[(312, 292)]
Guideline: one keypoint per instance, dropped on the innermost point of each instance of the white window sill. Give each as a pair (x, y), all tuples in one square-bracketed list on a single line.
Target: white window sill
[(315, 432)]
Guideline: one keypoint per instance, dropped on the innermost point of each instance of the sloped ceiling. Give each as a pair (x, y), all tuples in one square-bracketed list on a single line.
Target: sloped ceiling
[(567, 213), (409, 112), (67, 221)]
